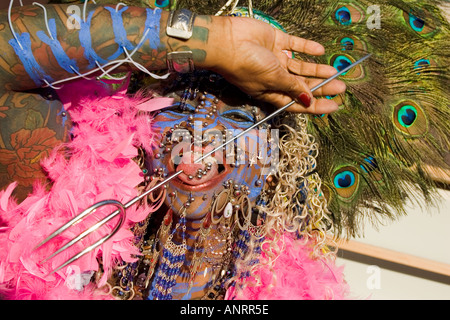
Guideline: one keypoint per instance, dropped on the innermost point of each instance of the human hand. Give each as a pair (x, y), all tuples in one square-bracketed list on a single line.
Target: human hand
[(252, 55)]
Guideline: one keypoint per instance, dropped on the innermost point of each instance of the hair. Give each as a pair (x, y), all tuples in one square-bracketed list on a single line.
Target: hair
[(292, 203)]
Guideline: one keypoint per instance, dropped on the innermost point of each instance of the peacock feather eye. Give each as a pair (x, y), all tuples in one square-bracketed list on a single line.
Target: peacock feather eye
[(421, 25), (352, 43), (416, 23), (369, 164), (421, 63), (339, 62), (343, 16), (409, 118), (162, 3), (425, 64), (348, 14), (346, 181), (347, 43), (407, 115)]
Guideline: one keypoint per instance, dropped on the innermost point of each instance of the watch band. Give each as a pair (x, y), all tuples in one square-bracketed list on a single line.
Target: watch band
[(180, 24)]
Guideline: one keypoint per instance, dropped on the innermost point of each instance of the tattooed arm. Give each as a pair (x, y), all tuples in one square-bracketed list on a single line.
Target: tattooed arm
[(81, 42), (32, 120), (249, 53), (31, 125)]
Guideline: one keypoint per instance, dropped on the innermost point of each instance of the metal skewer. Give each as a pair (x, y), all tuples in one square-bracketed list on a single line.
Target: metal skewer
[(123, 207)]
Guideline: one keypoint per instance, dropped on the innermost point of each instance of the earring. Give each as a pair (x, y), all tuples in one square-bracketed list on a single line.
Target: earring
[(172, 259), (200, 242)]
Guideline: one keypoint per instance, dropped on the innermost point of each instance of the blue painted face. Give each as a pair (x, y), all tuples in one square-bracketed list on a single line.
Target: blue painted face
[(191, 129)]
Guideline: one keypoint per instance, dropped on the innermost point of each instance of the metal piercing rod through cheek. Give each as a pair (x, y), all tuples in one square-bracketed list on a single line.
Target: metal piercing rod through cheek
[(123, 207)]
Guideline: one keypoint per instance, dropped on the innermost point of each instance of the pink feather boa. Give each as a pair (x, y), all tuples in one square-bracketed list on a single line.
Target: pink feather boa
[(108, 128), (295, 275)]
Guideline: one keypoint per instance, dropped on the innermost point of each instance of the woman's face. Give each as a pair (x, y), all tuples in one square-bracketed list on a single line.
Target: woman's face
[(190, 129)]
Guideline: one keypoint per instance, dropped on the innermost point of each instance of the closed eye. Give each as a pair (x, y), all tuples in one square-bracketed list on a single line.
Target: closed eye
[(238, 115), (179, 107)]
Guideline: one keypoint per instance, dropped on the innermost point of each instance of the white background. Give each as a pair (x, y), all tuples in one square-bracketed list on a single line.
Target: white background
[(422, 233)]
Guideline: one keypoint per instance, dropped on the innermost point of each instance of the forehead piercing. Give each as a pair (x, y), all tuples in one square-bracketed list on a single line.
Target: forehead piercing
[(194, 95)]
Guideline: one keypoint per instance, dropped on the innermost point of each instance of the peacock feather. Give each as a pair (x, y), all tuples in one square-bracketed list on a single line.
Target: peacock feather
[(393, 121)]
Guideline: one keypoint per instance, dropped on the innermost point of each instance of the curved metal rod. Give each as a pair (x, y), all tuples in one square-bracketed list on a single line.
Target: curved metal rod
[(121, 210)]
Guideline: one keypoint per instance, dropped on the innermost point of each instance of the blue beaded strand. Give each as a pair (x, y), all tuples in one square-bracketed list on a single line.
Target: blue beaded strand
[(170, 268)]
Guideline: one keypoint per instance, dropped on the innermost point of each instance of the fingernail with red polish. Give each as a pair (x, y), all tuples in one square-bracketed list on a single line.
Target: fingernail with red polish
[(305, 99)]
